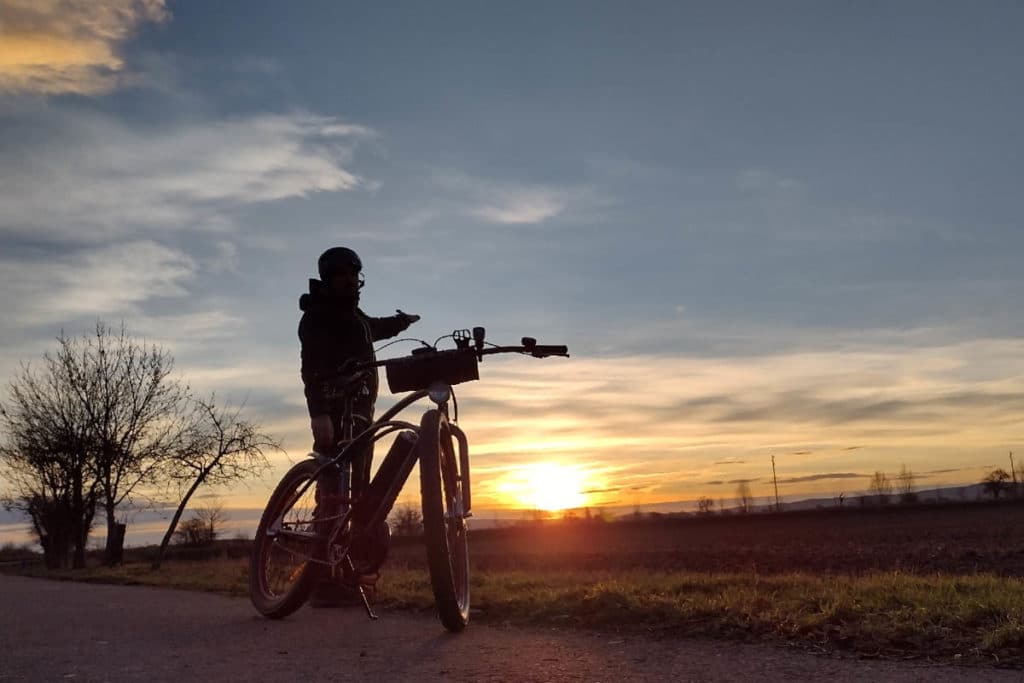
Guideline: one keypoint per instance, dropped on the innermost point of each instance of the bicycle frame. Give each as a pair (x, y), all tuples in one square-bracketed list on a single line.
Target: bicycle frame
[(370, 510), (333, 530)]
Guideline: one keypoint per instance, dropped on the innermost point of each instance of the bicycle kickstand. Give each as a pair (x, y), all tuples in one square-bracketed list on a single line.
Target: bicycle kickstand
[(362, 593)]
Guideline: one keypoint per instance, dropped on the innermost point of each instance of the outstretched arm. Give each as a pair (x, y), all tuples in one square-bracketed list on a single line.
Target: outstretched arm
[(384, 328)]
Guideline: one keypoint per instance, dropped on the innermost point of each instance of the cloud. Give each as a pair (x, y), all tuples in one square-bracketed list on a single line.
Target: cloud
[(224, 259), (511, 203), (108, 280), (530, 206), (52, 47), (99, 178), (761, 180), (821, 477), (931, 408)]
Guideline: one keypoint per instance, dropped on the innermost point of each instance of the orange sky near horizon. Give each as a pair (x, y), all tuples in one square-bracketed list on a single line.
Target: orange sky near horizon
[(635, 431)]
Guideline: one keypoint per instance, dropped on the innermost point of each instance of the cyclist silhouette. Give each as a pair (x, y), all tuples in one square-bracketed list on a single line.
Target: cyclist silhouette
[(334, 334)]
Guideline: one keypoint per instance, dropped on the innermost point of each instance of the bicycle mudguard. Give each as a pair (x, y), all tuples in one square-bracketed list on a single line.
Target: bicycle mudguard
[(460, 436)]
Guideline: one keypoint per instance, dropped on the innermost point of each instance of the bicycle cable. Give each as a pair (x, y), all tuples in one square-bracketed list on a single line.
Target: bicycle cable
[(403, 339), (447, 336)]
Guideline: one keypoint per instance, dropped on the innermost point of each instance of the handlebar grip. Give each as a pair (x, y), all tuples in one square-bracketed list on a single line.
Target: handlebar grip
[(540, 351)]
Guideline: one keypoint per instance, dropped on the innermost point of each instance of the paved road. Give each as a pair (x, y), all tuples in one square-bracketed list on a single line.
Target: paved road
[(57, 631)]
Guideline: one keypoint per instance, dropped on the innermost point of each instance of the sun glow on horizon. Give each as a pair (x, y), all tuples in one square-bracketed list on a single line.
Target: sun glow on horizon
[(546, 486)]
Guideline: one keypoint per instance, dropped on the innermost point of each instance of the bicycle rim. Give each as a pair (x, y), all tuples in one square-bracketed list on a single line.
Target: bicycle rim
[(443, 523), (281, 568)]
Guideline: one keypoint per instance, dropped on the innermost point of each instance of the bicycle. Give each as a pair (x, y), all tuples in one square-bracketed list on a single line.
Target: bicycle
[(309, 530)]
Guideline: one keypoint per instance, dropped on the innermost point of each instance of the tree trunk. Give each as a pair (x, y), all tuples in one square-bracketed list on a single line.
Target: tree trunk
[(78, 561), (81, 519), (114, 550), (174, 520)]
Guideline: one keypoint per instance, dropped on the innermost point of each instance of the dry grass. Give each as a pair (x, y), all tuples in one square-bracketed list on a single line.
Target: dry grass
[(974, 617)]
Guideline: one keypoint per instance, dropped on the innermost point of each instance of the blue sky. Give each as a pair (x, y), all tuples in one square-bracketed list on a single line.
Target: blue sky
[(790, 228)]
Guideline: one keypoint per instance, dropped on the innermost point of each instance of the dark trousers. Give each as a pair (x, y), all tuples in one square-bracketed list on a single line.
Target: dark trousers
[(362, 461)]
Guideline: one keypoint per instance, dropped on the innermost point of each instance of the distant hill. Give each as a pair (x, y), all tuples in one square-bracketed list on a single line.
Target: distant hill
[(968, 492)]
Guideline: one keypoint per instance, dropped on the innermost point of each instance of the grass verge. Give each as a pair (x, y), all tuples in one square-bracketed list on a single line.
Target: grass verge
[(948, 618)]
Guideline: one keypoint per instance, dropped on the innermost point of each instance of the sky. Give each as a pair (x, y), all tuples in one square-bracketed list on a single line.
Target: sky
[(788, 228)]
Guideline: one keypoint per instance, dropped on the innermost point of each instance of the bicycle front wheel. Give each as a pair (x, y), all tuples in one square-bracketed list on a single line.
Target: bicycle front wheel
[(282, 568), (444, 523)]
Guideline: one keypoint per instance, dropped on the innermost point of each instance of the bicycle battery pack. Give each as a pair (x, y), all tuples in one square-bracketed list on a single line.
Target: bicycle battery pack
[(373, 507), (421, 370)]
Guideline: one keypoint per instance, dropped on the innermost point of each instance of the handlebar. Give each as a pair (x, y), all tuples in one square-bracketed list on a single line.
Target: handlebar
[(535, 350), (423, 366)]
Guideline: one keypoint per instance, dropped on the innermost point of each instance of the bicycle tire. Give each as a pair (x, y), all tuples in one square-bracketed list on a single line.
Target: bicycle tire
[(444, 527), (274, 556)]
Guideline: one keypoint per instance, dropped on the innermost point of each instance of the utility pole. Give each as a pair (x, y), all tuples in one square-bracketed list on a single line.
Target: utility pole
[(778, 507), (1013, 472)]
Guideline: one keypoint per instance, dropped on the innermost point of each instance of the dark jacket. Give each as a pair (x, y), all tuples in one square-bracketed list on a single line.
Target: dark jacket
[(332, 331)]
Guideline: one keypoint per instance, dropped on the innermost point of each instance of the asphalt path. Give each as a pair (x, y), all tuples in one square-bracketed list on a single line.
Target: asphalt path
[(65, 631)]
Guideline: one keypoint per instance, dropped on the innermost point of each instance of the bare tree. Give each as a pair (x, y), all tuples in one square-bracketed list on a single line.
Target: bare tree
[(45, 459), (744, 498), (880, 487), (220, 449), (705, 505), (905, 484), (135, 412), (203, 527), (995, 482), (408, 520)]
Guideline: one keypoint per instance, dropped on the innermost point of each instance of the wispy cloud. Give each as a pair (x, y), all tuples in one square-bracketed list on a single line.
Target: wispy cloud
[(929, 407), (68, 46), (509, 202), (822, 477), (100, 178), (529, 206), (109, 280), (761, 180)]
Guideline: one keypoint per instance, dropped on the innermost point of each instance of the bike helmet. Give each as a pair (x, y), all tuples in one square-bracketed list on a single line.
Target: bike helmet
[(336, 259)]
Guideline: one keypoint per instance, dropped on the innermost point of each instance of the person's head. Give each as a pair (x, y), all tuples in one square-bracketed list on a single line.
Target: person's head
[(341, 270)]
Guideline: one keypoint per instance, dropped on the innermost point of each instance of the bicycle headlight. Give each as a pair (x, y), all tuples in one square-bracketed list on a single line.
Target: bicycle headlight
[(439, 392)]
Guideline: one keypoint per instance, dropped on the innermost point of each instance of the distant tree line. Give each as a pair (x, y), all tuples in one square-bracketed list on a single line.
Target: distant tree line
[(881, 489), (99, 425)]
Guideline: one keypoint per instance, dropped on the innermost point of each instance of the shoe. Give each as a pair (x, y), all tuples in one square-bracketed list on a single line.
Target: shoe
[(344, 592), (368, 582), (330, 594)]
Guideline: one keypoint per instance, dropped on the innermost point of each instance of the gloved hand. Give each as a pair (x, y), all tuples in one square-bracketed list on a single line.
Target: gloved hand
[(323, 431), (409, 318)]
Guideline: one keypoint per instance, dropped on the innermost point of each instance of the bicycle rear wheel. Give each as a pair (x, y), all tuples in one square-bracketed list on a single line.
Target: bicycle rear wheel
[(281, 570), (444, 525)]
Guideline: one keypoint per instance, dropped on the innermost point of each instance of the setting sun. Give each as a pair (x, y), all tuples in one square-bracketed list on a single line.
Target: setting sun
[(545, 486)]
